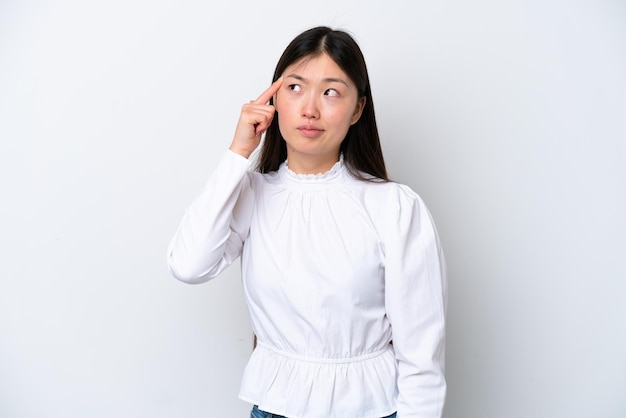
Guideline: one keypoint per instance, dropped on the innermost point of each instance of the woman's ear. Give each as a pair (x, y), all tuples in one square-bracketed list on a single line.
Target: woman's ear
[(358, 110)]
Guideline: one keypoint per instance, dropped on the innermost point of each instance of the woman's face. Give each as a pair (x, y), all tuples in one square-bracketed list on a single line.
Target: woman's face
[(316, 105)]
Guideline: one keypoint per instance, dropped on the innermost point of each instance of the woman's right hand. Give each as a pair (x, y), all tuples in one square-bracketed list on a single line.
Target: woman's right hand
[(255, 118)]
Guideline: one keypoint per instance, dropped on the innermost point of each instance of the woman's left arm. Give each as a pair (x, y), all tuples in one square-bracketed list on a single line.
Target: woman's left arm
[(415, 303)]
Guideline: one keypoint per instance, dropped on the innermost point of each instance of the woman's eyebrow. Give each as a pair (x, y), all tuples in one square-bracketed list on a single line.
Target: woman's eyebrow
[(327, 80)]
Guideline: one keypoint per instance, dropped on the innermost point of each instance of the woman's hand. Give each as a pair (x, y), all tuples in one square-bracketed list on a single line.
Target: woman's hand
[(255, 118)]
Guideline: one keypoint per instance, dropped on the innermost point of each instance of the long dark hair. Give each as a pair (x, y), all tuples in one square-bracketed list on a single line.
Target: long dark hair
[(361, 148)]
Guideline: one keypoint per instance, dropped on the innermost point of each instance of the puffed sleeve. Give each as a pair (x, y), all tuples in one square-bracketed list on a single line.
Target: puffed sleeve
[(211, 233), (415, 303)]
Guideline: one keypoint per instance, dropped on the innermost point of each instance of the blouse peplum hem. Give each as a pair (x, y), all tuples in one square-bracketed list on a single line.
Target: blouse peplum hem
[(307, 387)]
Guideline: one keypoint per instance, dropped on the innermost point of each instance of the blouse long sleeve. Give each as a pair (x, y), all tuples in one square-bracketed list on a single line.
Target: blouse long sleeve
[(415, 303), (211, 233)]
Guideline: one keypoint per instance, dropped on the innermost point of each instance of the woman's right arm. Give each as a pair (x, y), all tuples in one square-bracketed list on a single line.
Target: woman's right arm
[(211, 234)]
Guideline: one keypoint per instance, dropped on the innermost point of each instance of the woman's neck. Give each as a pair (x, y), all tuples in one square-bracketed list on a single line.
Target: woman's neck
[(310, 164)]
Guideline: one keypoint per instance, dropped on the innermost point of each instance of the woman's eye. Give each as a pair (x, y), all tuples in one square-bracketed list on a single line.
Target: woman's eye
[(331, 92), (294, 87)]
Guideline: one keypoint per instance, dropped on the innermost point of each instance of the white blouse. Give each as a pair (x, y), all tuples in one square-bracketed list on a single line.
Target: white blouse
[(333, 269)]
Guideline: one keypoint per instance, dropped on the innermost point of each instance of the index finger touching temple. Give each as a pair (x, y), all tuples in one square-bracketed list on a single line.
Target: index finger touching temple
[(267, 94)]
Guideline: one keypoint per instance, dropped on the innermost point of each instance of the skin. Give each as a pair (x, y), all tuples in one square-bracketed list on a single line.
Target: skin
[(254, 119), (317, 103)]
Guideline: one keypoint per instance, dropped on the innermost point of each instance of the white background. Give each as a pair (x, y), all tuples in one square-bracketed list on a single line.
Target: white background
[(506, 116)]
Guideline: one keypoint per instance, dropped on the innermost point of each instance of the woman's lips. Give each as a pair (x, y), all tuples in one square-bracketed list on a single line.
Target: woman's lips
[(310, 131)]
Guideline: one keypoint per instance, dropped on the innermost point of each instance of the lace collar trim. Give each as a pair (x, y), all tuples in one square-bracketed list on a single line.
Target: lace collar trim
[(334, 173)]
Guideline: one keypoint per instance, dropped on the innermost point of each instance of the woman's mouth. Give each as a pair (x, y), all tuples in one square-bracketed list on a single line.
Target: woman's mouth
[(310, 131)]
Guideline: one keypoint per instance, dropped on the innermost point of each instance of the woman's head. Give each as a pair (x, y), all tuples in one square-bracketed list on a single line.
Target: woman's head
[(360, 146)]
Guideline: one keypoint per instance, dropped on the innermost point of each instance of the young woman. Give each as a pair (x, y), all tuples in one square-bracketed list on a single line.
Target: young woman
[(342, 269)]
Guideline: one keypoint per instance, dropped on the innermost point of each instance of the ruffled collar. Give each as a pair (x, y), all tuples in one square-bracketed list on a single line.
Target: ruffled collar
[(329, 176)]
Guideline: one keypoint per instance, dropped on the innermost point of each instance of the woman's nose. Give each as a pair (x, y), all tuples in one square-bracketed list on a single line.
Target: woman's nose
[(310, 108)]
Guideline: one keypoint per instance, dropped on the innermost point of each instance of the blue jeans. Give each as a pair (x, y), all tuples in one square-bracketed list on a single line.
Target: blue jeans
[(257, 413)]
